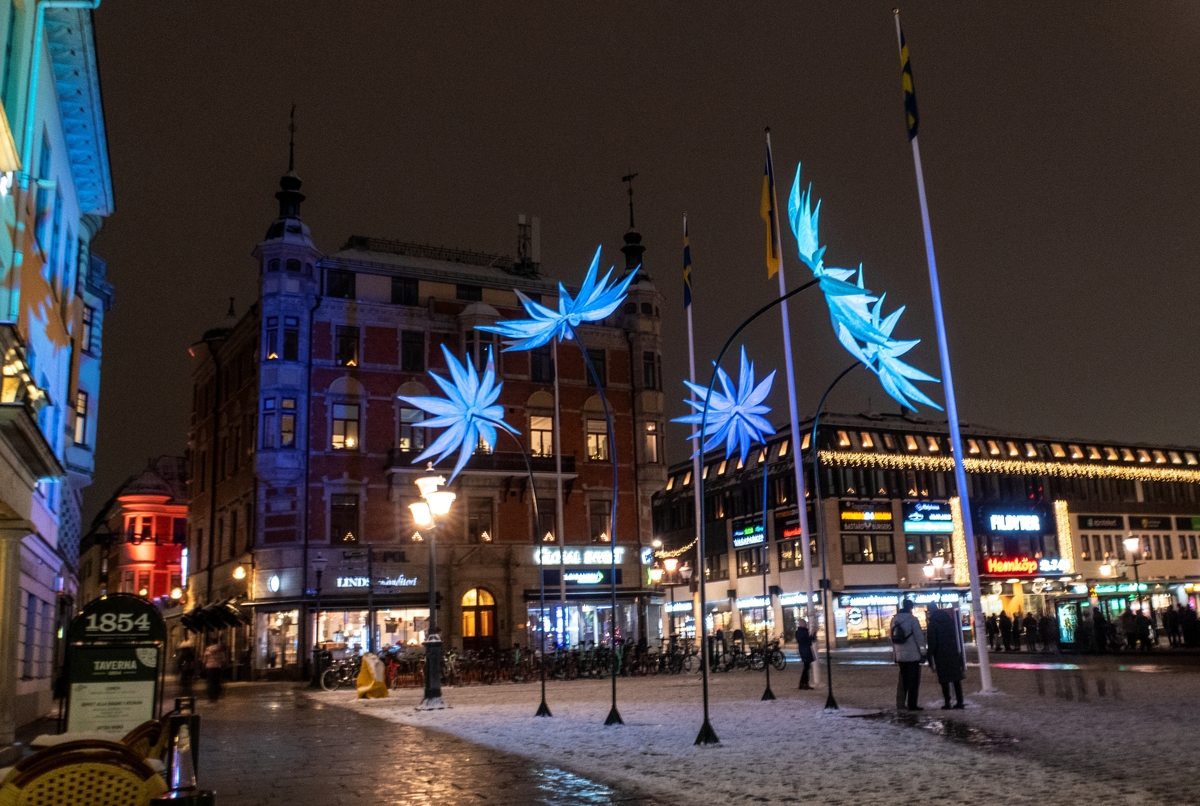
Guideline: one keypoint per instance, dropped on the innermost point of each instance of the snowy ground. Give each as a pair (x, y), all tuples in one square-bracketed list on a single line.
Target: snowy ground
[(1105, 733)]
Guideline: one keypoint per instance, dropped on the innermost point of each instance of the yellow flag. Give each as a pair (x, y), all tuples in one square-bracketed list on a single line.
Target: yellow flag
[(768, 212)]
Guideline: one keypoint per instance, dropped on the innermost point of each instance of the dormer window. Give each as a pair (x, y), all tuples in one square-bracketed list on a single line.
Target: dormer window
[(273, 264)]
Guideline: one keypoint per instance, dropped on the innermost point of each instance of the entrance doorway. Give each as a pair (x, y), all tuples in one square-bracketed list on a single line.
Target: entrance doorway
[(478, 620)]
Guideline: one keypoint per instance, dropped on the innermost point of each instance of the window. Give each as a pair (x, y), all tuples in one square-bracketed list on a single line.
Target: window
[(345, 426), (924, 547), (867, 442), (273, 264), (412, 436), (479, 520), (339, 284), (716, 567), (89, 329), (412, 351), (31, 617), (650, 370), (287, 423), (405, 291), (597, 440), (598, 363), (541, 365), (81, 417), (179, 531), (867, 548), (343, 519), (599, 516), (1192, 547), (475, 347), (346, 346), (478, 614), (468, 293), (1167, 547), (271, 350), (541, 436), (291, 338), (651, 443), (268, 422), (292, 265), (752, 561), (547, 520), (910, 442), (42, 199), (790, 555)]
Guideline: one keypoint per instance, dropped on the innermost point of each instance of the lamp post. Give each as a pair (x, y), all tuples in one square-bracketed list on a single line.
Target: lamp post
[(671, 566), (1134, 546), (937, 570), (318, 565), (435, 503), (685, 573), (656, 573)]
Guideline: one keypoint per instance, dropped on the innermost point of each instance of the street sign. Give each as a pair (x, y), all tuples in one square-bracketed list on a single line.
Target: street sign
[(118, 618)]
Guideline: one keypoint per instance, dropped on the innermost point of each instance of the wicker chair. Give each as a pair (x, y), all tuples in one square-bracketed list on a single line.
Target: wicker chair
[(144, 738), (84, 772)]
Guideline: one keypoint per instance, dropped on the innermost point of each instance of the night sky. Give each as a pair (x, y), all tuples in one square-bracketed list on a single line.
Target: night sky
[(1059, 142)]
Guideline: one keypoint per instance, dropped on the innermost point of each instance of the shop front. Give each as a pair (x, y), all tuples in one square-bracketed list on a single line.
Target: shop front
[(794, 606), (865, 617), (757, 616), (681, 619)]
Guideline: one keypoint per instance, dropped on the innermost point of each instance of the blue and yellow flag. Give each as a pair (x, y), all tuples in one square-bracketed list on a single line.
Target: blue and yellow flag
[(687, 268), (768, 212), (910, 95)]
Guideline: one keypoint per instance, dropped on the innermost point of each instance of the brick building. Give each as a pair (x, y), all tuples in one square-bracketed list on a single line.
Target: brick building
[(301, 452)]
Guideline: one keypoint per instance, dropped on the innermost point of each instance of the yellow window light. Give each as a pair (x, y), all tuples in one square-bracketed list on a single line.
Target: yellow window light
[(1012, 448), (670, 484), (1057, 451), (1076, 452), (972, 447), (1093, 452), (783, 449), (888, 442), (910, 442), (1127, 454), (932, 444), (867, 441), (1111, 454), (843, 439), (993, 448), (687, 478), (1143, 455), (1030, 451), (1159, 458), (1176, 459), (1190, 458)]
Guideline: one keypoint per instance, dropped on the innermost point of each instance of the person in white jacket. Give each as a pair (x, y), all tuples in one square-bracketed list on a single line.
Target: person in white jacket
[(908, 646)]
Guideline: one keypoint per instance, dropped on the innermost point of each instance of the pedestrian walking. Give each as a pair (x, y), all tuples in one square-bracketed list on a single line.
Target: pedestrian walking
[(1031, 632), (804, 642), (214, 667), (947, 657), (992, 628), (1006, 626), (1100, 630), (908, 646)]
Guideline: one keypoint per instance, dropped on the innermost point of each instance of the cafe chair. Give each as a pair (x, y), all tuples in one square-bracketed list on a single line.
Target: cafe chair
[(83, 772)]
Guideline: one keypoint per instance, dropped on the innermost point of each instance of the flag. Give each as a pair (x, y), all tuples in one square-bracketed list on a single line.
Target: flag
[(910, 95), (687, 267), (768, 212)]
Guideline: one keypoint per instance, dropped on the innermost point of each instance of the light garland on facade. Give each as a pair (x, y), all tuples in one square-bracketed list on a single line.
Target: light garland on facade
[(662, 554), (1066, 541), (888, 461), (958, 544)]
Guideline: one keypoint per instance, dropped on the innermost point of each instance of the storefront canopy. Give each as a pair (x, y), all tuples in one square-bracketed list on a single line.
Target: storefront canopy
[(215, 616)]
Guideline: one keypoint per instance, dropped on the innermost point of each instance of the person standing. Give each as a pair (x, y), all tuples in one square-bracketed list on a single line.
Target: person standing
[(1006, 627), (908, 646), (1129, 627), (1171, 625), (947, 657), (1142, 624), (1046, 626), (214, 667), (993, 630), (1100, 630), (186, 659), (1031, 631), (804, 642)]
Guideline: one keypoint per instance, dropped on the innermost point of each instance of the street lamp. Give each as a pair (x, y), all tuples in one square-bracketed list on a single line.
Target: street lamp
[(1134, 546), (318, 565), (936, 569), (425, 513)]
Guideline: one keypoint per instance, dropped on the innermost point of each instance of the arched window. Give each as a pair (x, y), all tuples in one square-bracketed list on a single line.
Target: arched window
[(292, 265), (478, 619)]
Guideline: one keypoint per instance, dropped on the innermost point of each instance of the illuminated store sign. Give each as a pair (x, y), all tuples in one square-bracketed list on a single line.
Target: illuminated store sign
[(1102, 522), (1027, 566), (748, 602), (353, 582), (748, 532), (587, 577), (553, 556), (1142, 522), (398, 581), (1015, 523), (790, 599), (860, 516), (1124, 587), (678, 607), (928, 517), (1053, 565), (893, 599)]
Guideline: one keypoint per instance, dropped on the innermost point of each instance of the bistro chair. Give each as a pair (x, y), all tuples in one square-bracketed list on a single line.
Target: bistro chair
[(90, 772), (144, 738)]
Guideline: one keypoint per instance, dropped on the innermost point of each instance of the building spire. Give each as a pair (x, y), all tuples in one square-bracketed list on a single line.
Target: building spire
[(289, 194), (292, 140), (628, 179), (633, 248)]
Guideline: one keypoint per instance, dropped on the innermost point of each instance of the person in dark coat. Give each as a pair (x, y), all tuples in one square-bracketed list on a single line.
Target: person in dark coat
[(1100, 630), (1006, 628), (993, 630), (1141, 625), (1171, 626), (946, 655), (1031, 632), (804, 642), (1049, 633)]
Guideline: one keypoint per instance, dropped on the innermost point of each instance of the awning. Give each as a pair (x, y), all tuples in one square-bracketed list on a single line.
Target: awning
[(215, 616)]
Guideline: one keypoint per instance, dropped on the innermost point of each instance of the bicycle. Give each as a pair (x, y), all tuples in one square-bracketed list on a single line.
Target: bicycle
[(342, 672)]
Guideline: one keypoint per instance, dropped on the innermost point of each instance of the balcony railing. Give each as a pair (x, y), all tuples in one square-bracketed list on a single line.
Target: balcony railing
[(505, 464)]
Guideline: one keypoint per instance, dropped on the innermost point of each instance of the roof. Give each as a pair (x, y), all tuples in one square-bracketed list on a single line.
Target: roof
[(72, 44), (166, 475)]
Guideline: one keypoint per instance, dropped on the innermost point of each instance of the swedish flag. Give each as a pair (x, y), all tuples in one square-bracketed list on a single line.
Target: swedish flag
[(687, 267), (768, 212), (910, 95)]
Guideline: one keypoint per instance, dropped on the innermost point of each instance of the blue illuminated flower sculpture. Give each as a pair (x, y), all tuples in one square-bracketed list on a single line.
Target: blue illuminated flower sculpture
[(469, 412), (856, 313), (735, 417), (596, 300)]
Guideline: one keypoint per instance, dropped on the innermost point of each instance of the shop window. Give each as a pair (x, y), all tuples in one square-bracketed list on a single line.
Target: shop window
[(339, 284), (599, 364), (651, 444), (867, 549), (287, 422), (343, 519), (541, 365), (597, 440), (271, 350), (541, 436), (405, 291), (345, 427), (479, 520), (752, 561), (346, 346), (412, 435), (600, 520), (412, 351), (291, 338), (716, 567)]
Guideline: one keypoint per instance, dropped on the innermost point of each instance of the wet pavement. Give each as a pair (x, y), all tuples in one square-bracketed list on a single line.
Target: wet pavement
[(952, 729), (269, 744)]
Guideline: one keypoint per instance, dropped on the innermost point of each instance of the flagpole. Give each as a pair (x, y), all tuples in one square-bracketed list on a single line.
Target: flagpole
[(960, 473), (697, 457), (797, 463)]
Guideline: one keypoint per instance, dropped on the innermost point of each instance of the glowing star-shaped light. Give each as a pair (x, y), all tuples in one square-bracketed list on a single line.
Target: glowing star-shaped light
[(856, 321), (734, 417), (596, 301), (469, 412)]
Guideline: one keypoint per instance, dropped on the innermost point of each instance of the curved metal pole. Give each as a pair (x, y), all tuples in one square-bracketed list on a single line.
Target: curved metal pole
[(614, 716), (707, 735), (543, 709), (827, 594)]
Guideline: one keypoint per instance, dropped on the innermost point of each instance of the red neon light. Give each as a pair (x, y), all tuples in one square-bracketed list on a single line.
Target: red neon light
[(1011, 565), (793, 532)]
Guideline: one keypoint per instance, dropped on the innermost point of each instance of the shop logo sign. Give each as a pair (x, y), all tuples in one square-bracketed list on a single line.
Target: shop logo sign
[(1015, 523), (1011, 565)]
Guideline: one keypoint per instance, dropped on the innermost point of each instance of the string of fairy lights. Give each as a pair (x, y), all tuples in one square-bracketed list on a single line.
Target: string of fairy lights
[(1015, 467)]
